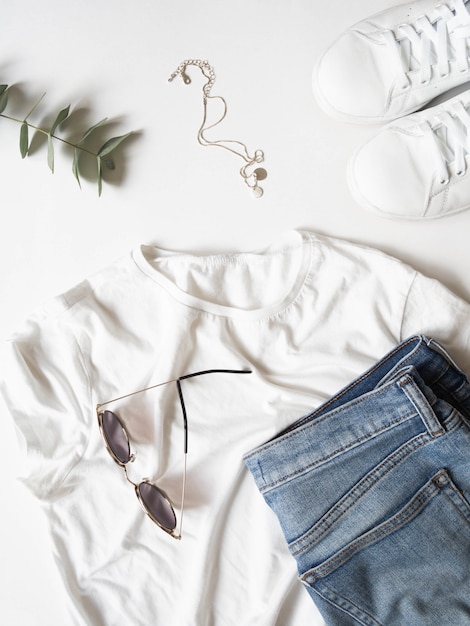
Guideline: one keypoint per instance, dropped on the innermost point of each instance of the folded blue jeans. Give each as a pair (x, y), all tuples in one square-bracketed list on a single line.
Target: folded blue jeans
[(372, 491)]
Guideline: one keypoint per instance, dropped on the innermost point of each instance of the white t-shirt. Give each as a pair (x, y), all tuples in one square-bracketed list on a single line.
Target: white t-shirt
[(307, 315)]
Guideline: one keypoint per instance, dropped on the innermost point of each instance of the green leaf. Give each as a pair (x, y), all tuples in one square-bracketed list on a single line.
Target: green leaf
[(50, 152), (3, 100), (24, 139), (92, 128), (111, 145), (62, 115), (100, 176), (3, 88), (75, 170)]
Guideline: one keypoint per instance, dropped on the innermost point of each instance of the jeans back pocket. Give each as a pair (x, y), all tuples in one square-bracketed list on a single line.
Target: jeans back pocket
[(413, 568)]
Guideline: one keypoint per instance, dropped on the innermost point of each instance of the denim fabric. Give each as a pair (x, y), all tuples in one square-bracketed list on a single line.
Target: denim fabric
[(372, 491)]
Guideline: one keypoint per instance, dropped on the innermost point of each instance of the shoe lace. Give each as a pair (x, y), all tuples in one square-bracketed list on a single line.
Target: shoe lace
[(425, 43), (449, 134)]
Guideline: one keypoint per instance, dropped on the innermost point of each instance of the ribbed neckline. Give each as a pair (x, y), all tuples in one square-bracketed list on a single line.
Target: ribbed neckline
[(289, 243)]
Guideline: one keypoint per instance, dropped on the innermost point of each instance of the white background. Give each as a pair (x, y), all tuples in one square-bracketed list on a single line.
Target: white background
[(113, 58)]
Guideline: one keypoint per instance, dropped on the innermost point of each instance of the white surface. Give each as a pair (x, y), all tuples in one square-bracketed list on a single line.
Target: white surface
[(113, 59)]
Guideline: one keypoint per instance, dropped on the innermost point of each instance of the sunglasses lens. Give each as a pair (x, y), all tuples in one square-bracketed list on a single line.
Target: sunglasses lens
[(157, 505), (115, 436)]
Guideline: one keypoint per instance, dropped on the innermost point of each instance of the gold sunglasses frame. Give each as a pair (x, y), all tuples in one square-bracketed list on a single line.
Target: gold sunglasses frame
[(132, 456)]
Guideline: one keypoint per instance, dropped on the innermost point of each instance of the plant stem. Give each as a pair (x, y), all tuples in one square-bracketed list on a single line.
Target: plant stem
[(35, 106), (45, 132)]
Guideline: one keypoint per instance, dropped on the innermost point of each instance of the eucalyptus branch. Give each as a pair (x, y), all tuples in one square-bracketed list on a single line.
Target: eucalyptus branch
[(102, 156)]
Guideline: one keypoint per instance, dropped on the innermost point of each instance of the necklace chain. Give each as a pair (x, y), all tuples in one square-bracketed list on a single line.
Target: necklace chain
[(250, 176)]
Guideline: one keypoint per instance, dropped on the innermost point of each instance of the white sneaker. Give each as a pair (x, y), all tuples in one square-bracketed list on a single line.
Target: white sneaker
[(395, 62), (417, 166)]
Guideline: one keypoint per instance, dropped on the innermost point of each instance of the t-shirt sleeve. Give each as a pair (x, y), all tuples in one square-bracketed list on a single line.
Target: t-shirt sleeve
[(433, 310), (46, 390)]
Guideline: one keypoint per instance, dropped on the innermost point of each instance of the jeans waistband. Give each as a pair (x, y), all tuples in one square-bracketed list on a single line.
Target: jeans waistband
[(412, 375)]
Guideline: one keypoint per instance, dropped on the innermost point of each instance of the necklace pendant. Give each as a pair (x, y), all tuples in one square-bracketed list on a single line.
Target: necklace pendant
[(260, 173)]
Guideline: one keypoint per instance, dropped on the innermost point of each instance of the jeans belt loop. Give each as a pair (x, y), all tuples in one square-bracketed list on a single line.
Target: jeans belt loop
[(420, 402)]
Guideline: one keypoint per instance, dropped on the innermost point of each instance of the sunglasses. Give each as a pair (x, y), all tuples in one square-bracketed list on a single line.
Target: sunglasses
[(153, 500)]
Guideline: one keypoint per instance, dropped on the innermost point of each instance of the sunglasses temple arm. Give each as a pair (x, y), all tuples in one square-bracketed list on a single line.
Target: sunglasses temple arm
[(128, 395), (216, 371), (185, 418), (179, 535)]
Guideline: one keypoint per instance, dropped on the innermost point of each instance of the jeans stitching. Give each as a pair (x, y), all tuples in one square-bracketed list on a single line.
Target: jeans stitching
[(333, 597), (400, 519), (458, 500), (338, 451), (381, 470)]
